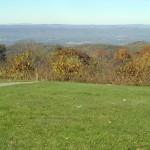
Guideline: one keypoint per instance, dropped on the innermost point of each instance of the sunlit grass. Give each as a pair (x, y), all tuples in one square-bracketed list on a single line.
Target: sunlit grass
[(74, 116)]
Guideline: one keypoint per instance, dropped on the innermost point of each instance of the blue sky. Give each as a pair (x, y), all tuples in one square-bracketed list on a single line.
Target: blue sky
[(75, 11)]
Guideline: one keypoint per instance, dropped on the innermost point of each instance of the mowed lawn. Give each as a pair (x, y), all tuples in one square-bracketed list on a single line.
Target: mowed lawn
[(74, 116)]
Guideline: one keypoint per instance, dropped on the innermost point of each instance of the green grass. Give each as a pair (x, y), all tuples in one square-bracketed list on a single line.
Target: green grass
[(74, 116), (4, 81)]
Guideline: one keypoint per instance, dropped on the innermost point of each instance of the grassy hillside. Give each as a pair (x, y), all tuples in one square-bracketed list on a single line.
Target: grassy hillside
[(73, 116)]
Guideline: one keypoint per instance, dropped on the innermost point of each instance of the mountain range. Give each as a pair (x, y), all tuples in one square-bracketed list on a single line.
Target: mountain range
[(74, 34)]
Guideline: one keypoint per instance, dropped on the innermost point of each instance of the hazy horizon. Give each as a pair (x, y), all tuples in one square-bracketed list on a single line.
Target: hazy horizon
[(73, 24)]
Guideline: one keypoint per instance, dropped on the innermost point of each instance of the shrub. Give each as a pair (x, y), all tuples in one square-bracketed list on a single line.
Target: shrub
[(70, 64), (22, 65), (137, 71), (2, 52)]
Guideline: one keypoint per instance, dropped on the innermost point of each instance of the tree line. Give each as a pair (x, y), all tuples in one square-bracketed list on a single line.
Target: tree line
[(36, 61)]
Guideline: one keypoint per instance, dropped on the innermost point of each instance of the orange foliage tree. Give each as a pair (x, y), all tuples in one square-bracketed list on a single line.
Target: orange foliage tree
[(122, 55)]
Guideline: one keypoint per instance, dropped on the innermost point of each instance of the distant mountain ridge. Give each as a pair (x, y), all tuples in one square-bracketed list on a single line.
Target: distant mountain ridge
[(75, 34), (135, 46)]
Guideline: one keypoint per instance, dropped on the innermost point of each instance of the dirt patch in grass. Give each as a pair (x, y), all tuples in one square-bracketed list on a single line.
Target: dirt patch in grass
[(14, 83)]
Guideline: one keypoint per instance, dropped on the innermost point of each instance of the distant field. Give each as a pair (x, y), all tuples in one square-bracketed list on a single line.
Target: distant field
[(74, 116)]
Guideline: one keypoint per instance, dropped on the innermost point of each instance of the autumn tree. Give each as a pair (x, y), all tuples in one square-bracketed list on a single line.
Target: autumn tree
[(100, 54), (2, 52), (137, 70), (122, 55), (67, 64), (145, 49)]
